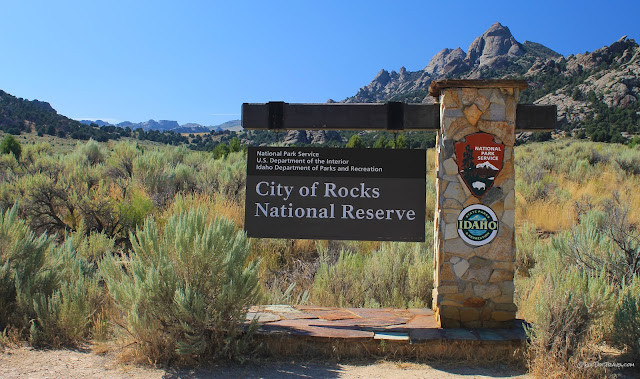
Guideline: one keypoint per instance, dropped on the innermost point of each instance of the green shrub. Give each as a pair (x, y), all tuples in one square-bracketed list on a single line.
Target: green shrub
[(23, 271), (604, 239), (526, 244), (134, 210), (340, 284), (230, 176), (8, 167), (397, 275), (121, 159), (154, 172), (93, 247), (92, 152), (274, 295), (184, 178), (629, 162), (64, 317), (221, 151), (185, 290), (47, 287), (567, 322), (626, 321)]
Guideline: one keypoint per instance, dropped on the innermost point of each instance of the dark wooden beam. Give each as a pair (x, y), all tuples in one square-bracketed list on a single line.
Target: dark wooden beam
[(392, 116), (378, 116), (536, 118)]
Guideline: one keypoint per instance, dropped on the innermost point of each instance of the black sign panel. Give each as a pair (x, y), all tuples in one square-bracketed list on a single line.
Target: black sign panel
[(339, 194)]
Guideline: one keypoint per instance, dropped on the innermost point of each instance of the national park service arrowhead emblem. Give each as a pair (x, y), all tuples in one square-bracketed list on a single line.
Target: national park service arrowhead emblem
[(479, 161)]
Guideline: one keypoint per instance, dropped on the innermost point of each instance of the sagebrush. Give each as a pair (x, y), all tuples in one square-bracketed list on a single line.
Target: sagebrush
[(185, 289)]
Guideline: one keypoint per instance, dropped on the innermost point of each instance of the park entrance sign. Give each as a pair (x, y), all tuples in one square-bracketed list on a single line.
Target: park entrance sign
[(338, 194), (474, 217)]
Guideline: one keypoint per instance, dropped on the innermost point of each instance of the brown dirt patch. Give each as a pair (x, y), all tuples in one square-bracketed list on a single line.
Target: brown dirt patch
[(25, 362)]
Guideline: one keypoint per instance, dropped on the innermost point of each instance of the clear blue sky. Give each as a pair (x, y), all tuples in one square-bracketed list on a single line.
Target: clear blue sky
[(198, 61)]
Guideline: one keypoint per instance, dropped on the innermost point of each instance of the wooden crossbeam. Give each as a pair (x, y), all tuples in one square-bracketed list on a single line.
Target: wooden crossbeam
[(389, 116), (536, 118), (392, 116)]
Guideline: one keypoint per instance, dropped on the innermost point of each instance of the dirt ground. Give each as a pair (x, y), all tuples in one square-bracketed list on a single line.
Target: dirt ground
[(25, 362)]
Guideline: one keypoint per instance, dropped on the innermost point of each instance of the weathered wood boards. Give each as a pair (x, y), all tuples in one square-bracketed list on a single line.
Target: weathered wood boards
[(392, 116)]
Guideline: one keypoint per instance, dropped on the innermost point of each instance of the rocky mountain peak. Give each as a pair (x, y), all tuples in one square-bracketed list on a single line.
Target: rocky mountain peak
[(444, 58), (496, 50), (496, 41), (311, 136), (382, 78), (160, 125)]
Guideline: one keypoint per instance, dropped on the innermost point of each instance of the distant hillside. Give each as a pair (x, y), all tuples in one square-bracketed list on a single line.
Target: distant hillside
[(167, 125), (19, 115), (595, 92), (233, 125)]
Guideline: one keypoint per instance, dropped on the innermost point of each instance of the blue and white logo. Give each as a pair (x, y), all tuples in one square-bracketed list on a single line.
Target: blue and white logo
[(477, 225)]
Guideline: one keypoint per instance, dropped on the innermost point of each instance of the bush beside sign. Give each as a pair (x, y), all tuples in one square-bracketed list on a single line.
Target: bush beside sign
[(340, 194)]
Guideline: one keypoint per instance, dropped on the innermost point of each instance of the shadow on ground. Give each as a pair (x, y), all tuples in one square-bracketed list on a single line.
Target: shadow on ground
[(362, 369), (271, 370)]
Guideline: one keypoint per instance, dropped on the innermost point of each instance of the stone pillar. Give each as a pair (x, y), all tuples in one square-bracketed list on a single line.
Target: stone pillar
[(475, 210)]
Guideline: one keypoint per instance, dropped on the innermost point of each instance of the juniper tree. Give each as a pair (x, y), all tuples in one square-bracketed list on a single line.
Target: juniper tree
[(10, 146)]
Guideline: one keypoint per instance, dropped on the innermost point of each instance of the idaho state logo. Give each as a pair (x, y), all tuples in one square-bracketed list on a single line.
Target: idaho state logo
[(479, 162), (477, 225)]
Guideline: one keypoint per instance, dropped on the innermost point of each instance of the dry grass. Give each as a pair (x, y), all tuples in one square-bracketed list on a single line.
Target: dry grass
[(101, 348), (547, 216), (363, 247), (216, 207), (431, 161), (304, 245), (441, 352), (10, 338), (67, 145), (102, 328), (554, 176)]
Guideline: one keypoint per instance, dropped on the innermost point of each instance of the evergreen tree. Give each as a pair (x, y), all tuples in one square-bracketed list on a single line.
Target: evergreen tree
[(221, 151), (355, 142), (467, 158), (234, 144), (51, 130), (10, 145), (400, 142), (381, 143)]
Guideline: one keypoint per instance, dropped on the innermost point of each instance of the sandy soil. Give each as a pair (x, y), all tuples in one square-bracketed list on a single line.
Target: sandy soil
[(25, 362)]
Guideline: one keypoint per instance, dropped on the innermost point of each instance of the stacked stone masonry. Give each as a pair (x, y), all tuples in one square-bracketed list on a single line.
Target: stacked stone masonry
[(474, 284)]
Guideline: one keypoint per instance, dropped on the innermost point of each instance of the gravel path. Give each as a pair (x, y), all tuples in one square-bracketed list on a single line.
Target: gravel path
[(25, 362)]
